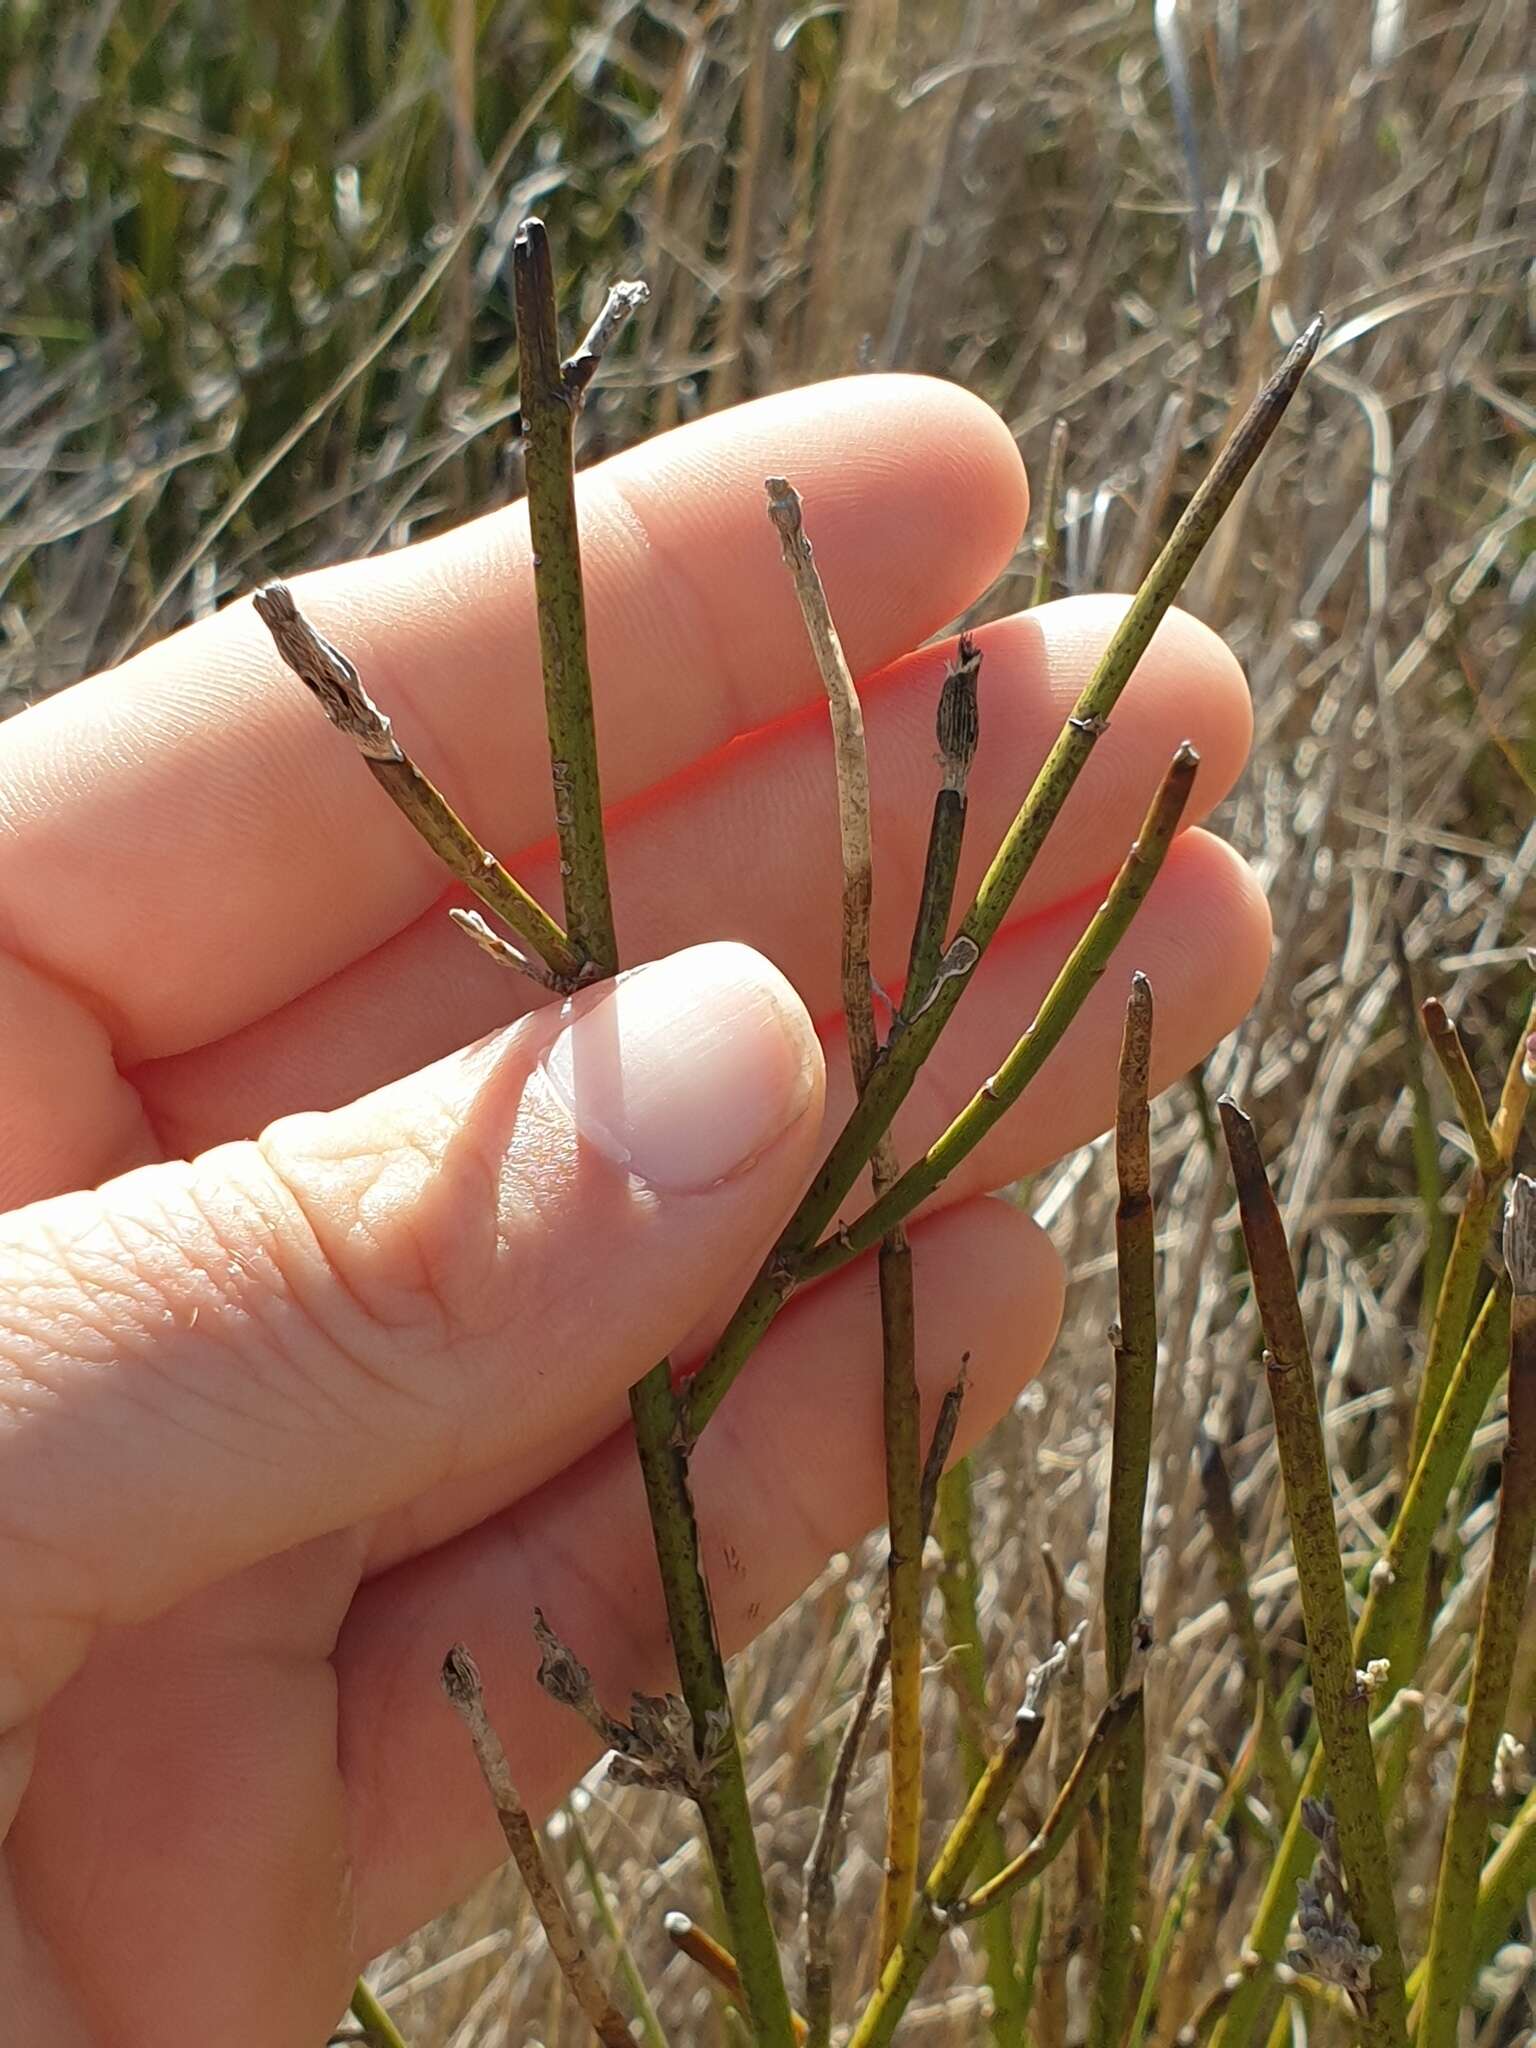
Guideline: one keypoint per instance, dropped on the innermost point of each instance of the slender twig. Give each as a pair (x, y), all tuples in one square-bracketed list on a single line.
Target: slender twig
[(717, 1962), (624, 300), (1232, 1569), (1060, 1894), (335, 684), (1426, 1137), (1341, 1699), (720, 1785), (379, 2030), (852, 765), (1393, 1616), (875, 1109), (549, 424), (821, 1865), (957, 730), (929, 1919), (1061, 1004), (1509, 1878), (959, 1590), (1449, 1963), (1450, 1050), (1099, 1752), (1047, 540), (1493, 1143), (902, 1413), (645, 2012), (461, 1682), (1135, 1347), (1384, 1633)]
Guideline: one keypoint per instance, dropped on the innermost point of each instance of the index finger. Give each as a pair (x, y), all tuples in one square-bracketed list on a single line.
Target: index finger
[(188, 842)]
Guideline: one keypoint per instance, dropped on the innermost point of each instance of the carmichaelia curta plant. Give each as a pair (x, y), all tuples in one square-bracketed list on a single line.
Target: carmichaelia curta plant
[(1331, 1871)]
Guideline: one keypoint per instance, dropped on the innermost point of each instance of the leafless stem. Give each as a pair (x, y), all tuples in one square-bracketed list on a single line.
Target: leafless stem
[(717, 1962), (1046, 543), (338, 689), (461, 1682), (903, 1453), (821, 1866)]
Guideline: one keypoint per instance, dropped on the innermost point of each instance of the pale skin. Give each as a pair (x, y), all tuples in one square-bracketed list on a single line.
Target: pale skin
[(279, 1425)]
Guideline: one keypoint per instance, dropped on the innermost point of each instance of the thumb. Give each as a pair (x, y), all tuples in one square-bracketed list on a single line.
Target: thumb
[(203, 1364)]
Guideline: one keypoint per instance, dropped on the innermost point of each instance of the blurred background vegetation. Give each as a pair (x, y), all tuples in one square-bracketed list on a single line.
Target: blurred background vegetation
[(254, 316)]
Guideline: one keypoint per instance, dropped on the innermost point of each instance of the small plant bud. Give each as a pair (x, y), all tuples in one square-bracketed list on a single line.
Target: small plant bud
[(1375, 1677)]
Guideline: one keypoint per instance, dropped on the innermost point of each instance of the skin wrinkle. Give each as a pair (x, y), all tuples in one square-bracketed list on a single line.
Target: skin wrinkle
[(310, 1275)]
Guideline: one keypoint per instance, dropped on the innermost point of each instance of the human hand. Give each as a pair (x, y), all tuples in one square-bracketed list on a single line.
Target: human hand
[(278, 1426)]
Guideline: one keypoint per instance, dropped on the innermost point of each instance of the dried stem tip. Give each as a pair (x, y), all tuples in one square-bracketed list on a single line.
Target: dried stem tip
[(624, 299), (959, 726), (1520, 1237), (335, 684), (326, 672)]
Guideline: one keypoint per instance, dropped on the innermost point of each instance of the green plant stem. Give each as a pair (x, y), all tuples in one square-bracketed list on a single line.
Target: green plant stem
[(1342, 1703), (821, 1864), (376, 2023), (1446, 1042), (1061, 1893), (1232, 1568), (1099, 1752), (875, 1109), (1426, 1138), (1045, 545), (929, 1920), (958, 1588), (549, 426), (1393, 1615), (333, 681), (1386, 1628), (1494, 1146), (1450, 1959), (722, 1790), (1508, 1880), (550, 397), (904, 1582), (957, 728), (645, 2012), (1065, 998), (1130, 1462)]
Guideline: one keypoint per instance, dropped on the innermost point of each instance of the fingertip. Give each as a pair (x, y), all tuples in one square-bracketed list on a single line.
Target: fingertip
[(972, 463), (1235, 928)]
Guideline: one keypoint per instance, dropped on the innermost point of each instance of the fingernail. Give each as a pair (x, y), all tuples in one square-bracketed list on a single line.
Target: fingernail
[(686, 1071)]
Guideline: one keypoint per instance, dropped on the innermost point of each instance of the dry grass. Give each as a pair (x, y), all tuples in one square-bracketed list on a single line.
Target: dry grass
[(1106, 211)]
